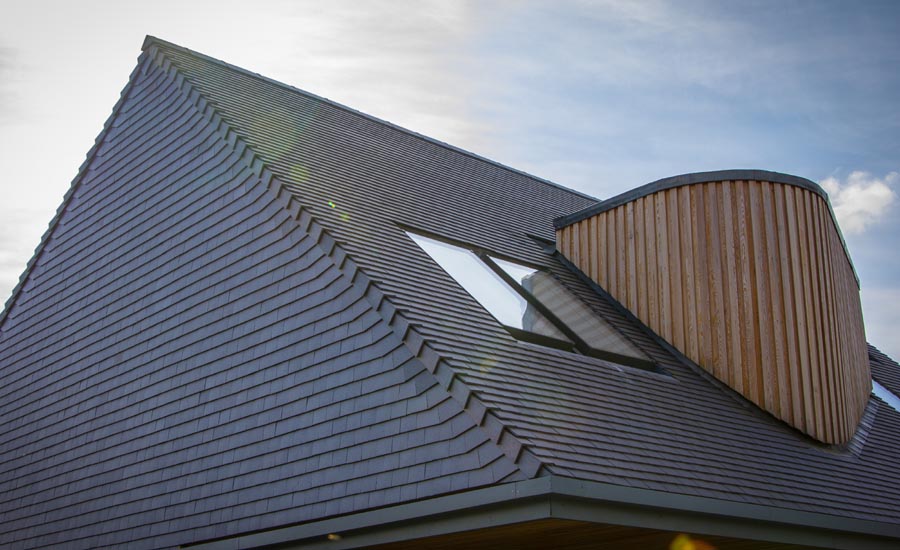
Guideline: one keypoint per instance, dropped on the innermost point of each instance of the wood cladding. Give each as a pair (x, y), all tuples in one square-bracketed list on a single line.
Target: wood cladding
[(749, 279)]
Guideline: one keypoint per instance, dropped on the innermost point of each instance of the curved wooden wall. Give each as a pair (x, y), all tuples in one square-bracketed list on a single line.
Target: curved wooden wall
[(751, 280)]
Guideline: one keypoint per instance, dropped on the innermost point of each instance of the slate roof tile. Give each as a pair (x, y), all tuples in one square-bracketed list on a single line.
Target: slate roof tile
[(196, 352), (201, 438), (885, 370), (522, 383)]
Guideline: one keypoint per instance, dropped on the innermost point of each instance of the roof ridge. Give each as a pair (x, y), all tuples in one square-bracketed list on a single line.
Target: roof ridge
[(152, 40)]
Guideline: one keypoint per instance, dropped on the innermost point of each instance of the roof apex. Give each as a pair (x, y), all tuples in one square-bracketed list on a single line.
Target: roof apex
[(151, 40)]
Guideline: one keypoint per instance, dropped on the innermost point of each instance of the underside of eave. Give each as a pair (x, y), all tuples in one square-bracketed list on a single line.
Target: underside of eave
[(483, 416)]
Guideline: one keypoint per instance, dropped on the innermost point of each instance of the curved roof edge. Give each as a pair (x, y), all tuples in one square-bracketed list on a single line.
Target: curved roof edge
[(688, 179), (742, 174)]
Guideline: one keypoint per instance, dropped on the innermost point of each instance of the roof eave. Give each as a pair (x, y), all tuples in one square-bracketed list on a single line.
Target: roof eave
[(554, 497)]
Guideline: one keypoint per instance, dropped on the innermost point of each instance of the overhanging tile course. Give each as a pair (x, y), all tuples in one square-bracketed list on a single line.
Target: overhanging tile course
[(246, 382), (246, 356), (704, 433)]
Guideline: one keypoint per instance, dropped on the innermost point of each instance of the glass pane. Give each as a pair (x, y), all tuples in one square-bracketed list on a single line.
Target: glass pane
[(491, 291), (596, 332), (886, 395)]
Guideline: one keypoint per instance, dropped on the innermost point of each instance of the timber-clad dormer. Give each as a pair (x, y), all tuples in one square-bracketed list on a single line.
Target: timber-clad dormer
[(746, 273), (229, 338)]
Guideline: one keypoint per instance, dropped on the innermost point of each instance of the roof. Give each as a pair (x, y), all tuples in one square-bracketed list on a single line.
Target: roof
[(689, 179), (885, 370), (227, 329), (705, 177)]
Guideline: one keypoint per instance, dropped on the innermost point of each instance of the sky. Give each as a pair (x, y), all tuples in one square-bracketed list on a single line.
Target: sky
[(599, 96)]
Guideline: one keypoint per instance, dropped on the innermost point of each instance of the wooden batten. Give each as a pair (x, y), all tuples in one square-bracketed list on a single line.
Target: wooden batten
[(746, 273)]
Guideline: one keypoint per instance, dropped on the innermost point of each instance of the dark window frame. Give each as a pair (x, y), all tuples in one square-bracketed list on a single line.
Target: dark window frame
[(579, 343), (576, 344)]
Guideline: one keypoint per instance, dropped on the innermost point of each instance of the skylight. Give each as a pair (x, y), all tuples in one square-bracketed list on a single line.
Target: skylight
[(570, 310), (485, 285), (886, 395), (531, 304)]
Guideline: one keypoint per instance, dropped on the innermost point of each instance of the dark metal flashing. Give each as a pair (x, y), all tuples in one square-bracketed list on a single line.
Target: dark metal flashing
[(152, 40), (565, 498), (688, 179), (706, 177)]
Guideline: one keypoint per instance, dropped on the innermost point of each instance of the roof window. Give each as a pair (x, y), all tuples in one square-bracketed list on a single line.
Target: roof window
[(886, 395), (531, 304)]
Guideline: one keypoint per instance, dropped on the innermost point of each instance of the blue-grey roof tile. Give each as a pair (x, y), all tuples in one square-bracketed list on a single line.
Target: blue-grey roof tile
[(222, 350), (197, 353)]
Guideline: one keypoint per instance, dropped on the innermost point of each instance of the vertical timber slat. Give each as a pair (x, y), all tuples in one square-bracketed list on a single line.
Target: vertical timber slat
[(749, 279)]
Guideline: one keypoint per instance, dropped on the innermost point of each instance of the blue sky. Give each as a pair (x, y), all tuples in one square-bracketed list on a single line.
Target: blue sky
[(598, 96)]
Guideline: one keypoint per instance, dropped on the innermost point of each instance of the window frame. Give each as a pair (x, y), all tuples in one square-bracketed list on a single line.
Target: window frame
[(576, 344)]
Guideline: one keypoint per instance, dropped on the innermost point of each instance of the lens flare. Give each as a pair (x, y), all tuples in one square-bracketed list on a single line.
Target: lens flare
[(685, 542)]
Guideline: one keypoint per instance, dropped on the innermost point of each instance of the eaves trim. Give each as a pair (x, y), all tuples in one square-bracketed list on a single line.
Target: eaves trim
[(554, 497)]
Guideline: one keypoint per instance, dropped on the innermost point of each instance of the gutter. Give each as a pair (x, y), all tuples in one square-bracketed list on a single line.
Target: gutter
[(554, 497)]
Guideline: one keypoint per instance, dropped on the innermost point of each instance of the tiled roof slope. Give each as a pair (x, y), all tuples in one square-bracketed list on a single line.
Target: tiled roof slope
[(366, 181), (190, 356), (885, 370)]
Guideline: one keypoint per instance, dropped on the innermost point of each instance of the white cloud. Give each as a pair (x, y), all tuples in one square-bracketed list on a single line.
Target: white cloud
[(8, 73), (401, 61), (861, 200)]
